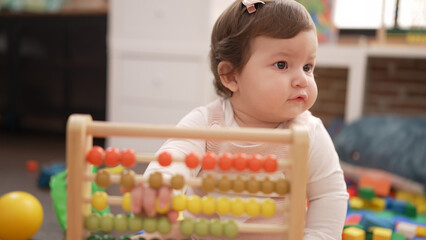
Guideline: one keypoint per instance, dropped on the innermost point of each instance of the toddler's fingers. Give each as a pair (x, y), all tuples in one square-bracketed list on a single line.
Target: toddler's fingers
[(164, 196), (137, 199), (173, 216), (149, 201)]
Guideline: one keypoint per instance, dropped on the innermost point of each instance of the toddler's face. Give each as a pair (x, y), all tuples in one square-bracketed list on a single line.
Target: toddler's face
[(277, 83)]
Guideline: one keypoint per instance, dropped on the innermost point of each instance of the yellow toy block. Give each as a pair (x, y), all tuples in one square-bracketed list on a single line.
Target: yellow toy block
[(356, 203), (421, 232), (353, 233), (381, 233), (406, 196), (376, 204)]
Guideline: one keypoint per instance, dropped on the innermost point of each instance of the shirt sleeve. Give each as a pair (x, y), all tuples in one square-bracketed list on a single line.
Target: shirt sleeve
[(327, 195), (182, 147)]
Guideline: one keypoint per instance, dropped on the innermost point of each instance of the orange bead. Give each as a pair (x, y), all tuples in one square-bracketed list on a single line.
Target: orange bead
[(270, 164), (32, 165), (240, 162), (255, 163), (226, 161), (191, 160), (128, 157), (164, 159), (112, 157), (95, 155), (209, 161)]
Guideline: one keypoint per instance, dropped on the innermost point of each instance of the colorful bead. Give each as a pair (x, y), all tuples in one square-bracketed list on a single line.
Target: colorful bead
[(282, 186), (208, 205), (120, 223), (91, 222), (192, 160), (216, 228), (107, 222), (224, 184), (127, 179), (194, 204), (238, 185), (95, 155), (270, 164), (102, 179), (99, 200), (112, 157), (128, 158), (164, 159), (209, 161), (159, 209), (255, 163), (177, 182), (252, 208), (267, 186), (135, 223), (253, 186), (126, 202), (150, 224), (208, 183), (164, 226), (155, 180), (179, 202), (226, 161), (223, 205), (237, 205), (201, 227), (186, 227), (230, 229), (268, 208), (240, 162)]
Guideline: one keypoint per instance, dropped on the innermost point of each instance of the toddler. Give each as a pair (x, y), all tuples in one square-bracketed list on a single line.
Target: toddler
[(262, 57)]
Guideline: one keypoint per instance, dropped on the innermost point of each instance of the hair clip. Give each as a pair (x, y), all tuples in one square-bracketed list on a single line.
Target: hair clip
[(250, 5)]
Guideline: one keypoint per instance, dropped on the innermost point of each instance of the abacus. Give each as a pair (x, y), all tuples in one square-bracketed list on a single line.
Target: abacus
[(81, 155)]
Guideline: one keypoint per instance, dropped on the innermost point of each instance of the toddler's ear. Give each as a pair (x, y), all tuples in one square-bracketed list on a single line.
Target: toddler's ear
[(227, 75)]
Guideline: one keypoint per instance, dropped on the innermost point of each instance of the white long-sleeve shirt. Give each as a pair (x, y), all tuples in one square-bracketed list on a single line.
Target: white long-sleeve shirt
[(327, 195)]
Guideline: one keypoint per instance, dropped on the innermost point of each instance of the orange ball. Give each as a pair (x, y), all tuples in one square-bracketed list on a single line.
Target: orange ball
[(226, 161), (112, 157), (270, 164), (209, 161), (164, 159), (191, 160), (255, 163), (95, 155), (32, 165), (128, 158), (240, 162)]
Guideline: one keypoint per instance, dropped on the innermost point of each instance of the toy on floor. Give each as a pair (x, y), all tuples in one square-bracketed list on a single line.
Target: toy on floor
[(81, 155), (21, 216)]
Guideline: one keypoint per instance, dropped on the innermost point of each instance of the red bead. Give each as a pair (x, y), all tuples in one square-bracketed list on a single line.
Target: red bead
[(32, 165), (95, 155), (270, 164), (240, 162), (209, 161), (128, 158), (226, 161), (164, 159), (112, 157), (255, 163), (191, 160)]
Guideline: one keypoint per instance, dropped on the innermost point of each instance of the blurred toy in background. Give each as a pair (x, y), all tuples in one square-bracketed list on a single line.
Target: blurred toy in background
[(37, 6), (21, 216)]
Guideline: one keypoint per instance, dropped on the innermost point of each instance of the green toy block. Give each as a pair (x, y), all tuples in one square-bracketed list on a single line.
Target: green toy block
[(410, 210), (397, 236), (366, 193)]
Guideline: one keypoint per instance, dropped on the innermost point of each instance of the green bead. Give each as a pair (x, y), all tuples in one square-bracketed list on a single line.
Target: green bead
[(201, 227), (107, 222), (91, 222), (150, 224), (135, 223), (230, 229), (121, 223), (187, 227), (164, 225), (216, 229)]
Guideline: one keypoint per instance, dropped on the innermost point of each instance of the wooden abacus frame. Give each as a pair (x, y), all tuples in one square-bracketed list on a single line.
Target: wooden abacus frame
[(81, 130)]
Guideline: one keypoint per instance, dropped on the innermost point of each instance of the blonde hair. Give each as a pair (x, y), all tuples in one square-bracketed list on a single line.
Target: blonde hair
[(233, 30)]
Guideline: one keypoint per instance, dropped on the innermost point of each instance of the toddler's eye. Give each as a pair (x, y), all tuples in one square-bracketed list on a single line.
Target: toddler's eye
[(307, 68), (281, 65)]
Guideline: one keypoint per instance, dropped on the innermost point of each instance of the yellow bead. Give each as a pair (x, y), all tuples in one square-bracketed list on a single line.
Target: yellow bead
[(252, 207), (268, 208), (194, 204), (209, 205), (159, 209), (223, 206), (237, 207), (179, 202), (126, 202), (99, 200)]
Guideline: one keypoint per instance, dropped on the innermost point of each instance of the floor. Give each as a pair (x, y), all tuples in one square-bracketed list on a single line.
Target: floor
[(15, 150)]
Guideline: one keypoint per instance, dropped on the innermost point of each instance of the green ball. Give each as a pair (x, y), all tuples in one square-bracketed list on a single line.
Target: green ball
[(201, 227), (150, 224), (107, 222), (164, 226), (121, 222), (135, 223), (187, 227), (91, 222), (230, 229), (216, 229)]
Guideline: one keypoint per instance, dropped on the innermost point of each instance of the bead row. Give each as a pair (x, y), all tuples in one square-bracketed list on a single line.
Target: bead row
[(111, 156)]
